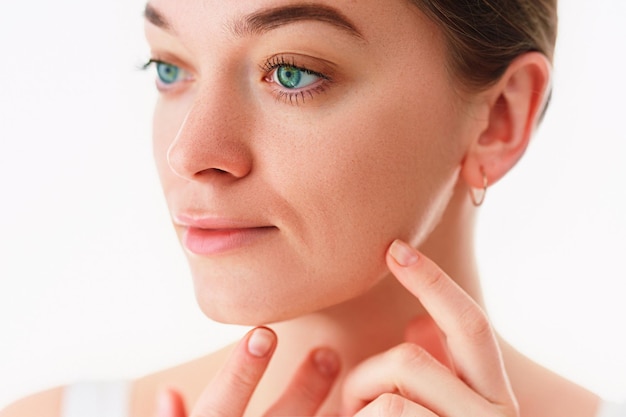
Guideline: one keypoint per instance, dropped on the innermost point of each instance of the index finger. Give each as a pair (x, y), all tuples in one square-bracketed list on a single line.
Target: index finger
[(230, 391), (471, 342)]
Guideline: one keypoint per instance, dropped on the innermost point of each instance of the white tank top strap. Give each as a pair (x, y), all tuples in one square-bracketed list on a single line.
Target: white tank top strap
[(96, 399), (609, 409)]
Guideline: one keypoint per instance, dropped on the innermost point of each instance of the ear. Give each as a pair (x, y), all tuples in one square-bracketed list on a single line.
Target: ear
[(515, 106)]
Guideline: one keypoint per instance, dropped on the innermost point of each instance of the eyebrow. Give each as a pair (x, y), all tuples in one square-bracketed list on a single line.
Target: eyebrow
[(153, 16), (265, 20)]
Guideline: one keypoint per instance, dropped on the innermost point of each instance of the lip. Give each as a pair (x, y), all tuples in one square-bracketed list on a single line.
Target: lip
[(213, 236)]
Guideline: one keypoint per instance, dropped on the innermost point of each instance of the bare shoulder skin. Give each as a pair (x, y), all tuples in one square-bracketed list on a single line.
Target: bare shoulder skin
[(43, 404), (189, 379)]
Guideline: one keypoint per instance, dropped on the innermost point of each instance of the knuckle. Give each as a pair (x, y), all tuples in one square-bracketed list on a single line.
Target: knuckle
[(411, 355), (307, 394), (241, 380), (434, 280), (475, 324), (388, 405)]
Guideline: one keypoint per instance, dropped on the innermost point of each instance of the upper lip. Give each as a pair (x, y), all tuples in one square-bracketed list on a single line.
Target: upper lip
[(216, 222)]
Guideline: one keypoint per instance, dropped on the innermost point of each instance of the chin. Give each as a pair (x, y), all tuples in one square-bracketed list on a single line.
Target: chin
[(258, 287), (241, 317), (272, 303), (253, 310), (252, 314)]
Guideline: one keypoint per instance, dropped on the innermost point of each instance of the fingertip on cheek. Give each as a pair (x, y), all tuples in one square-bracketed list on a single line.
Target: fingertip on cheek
[(403, 254)]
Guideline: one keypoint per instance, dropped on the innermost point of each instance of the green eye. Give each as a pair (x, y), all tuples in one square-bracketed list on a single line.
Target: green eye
[(292, 77), (168, 73)]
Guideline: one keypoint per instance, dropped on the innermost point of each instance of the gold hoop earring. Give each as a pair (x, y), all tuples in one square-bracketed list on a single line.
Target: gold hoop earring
[(480, 199)]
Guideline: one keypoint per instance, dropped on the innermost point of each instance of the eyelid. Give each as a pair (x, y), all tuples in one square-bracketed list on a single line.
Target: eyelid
[(316, 66)]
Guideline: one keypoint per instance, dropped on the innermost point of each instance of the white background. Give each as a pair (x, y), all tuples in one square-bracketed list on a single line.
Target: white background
[(94, 285)]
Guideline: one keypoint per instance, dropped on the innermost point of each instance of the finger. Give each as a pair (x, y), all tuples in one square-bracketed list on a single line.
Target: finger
[(310, 385), (394, 405), (230, 391), (470, 339), (411, 372), (423, 331), (170, 404)]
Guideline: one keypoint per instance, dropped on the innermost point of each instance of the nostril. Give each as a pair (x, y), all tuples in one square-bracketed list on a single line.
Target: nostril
[(212, 171)]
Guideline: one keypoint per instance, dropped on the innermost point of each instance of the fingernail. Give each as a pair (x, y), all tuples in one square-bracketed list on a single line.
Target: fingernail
[(403, 253), (327, 362), (164, 406), (260, 342)]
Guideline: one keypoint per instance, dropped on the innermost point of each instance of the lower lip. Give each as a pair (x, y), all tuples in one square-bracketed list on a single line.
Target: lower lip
[(215, 241)]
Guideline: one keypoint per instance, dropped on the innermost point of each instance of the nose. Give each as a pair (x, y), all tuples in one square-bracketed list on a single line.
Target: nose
[(210, 142)]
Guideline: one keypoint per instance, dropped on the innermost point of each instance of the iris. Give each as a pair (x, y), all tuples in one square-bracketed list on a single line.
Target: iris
[(168, 73), (289, 77), (292, 77)]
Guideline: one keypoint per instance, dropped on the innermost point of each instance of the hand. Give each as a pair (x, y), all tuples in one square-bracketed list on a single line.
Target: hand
[(230, 391), (409, 381)]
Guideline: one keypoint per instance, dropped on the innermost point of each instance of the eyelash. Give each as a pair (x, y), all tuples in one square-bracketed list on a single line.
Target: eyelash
[(293, 96), (269, 68)]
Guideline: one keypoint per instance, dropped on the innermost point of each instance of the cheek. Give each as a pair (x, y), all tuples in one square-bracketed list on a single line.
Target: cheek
[(351, 186), (384, 172)]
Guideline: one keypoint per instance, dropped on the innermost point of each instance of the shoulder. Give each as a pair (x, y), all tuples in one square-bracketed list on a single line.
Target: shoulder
[(43, 404), (189, 379)]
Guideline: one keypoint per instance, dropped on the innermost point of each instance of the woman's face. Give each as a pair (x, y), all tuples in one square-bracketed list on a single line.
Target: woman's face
[(296, 140)]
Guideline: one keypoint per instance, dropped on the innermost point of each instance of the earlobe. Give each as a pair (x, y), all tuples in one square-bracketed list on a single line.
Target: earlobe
[(516, 104)]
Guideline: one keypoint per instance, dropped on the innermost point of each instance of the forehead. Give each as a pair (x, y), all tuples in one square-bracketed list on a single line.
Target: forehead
[(365, 19), (266, 19)]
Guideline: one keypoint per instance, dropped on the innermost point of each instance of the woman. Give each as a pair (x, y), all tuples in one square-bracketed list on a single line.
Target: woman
[(301, 146)]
